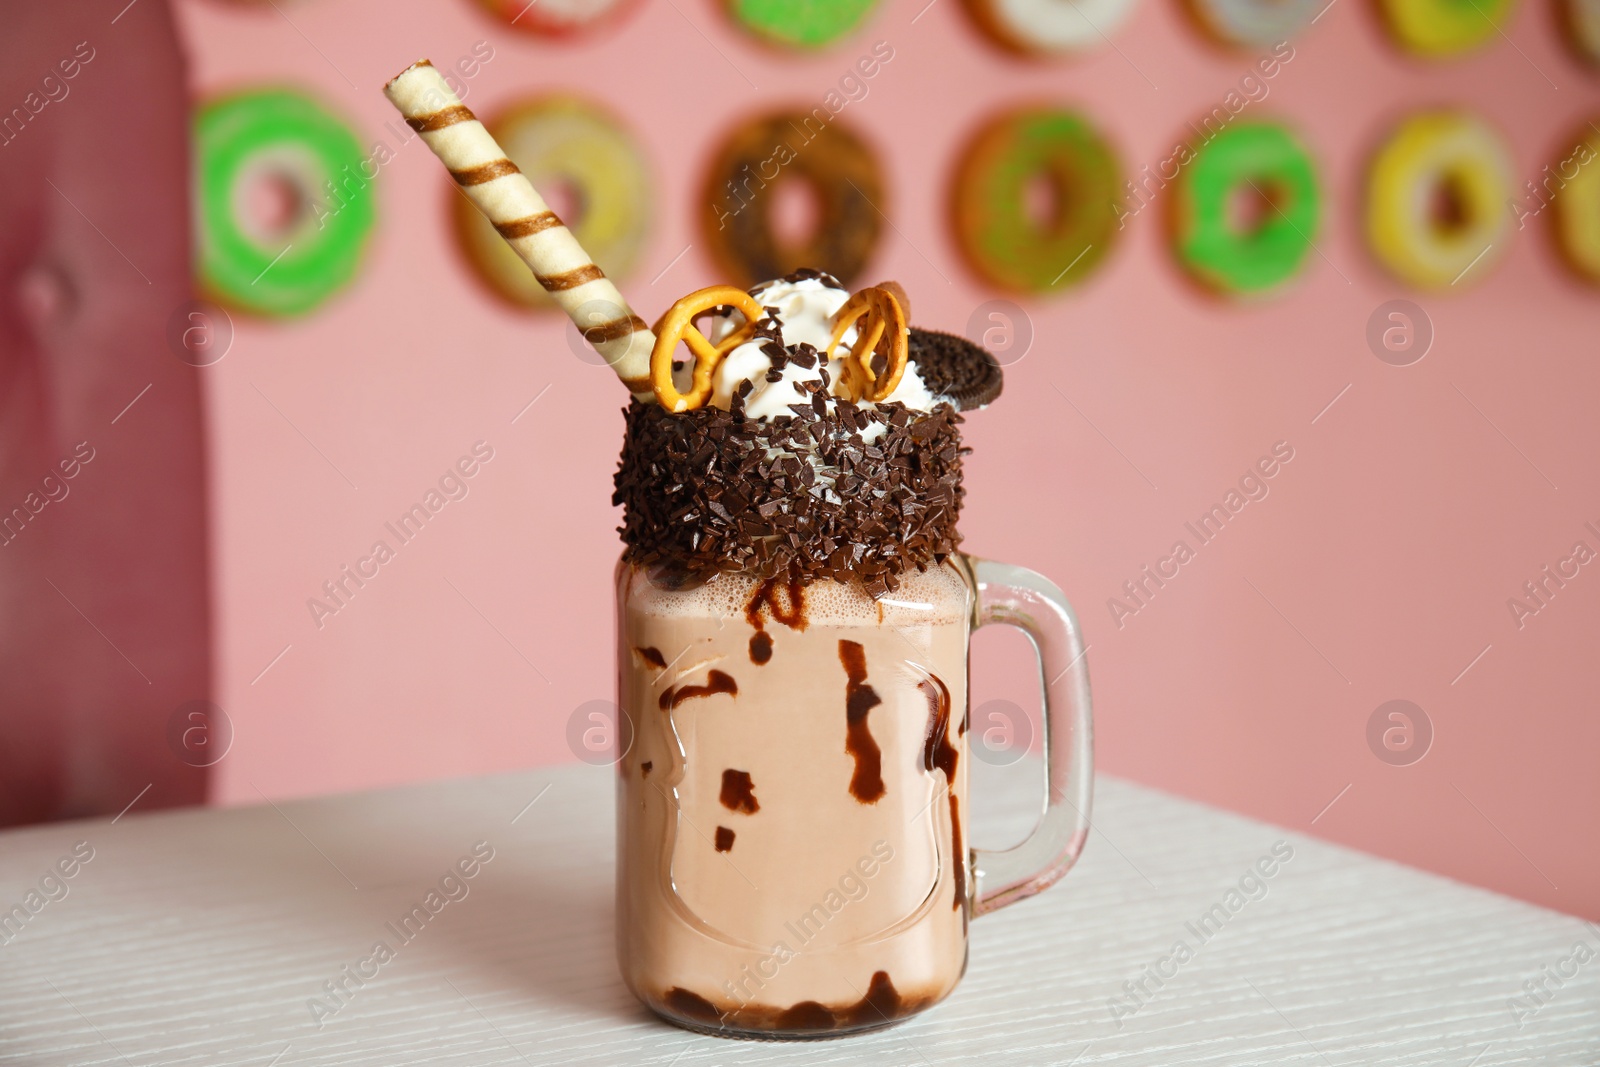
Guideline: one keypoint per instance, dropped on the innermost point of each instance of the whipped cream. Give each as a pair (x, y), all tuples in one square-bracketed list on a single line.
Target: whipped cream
[(805, 314)]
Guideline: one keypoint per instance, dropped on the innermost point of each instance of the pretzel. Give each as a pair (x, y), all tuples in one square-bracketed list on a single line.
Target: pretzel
[(677, 325), (874, 312), (898, 291)]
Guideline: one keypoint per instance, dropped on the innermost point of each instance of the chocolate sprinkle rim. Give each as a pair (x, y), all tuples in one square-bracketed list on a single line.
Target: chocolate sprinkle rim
[(709, 491)]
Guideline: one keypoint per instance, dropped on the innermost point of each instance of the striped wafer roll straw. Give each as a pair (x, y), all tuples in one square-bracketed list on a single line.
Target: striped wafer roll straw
[(506, 197)]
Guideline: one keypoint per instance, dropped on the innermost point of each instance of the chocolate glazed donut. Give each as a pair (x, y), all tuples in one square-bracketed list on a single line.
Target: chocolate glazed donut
[(803, 146)]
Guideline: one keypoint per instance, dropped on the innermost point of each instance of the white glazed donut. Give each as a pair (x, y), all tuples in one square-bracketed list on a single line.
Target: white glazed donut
[(1255, 23), (1051, 26), (558, 18)]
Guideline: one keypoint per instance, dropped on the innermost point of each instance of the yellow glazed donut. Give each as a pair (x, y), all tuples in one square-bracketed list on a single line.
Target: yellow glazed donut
[(564, 145), (1577, 207), (1436, 200), (1440, 28)]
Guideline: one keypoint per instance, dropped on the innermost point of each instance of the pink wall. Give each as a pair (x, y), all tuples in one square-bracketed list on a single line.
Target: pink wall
[(1378, 568)]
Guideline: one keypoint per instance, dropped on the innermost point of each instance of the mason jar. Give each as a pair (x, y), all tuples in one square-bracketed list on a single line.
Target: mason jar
[(793, 855)]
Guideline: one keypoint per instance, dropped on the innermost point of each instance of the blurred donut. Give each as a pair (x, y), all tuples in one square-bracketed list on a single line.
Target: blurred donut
[(741, 184), (1577, 209), (1050, 26), (285, 201), (1438, 28), (1254, 23), (1581, 22), (572, 149), (558, 18), (1260, 163), (1009, 239), (803, 24), (1436, 199)]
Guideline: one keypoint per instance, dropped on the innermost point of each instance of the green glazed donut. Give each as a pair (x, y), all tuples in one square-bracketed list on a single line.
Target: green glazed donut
[(279, 136), (1011, 246), (801, 23), (1210, 244)]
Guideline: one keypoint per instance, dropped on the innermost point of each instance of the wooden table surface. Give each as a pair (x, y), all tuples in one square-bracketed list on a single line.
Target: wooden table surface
[(211, 937)]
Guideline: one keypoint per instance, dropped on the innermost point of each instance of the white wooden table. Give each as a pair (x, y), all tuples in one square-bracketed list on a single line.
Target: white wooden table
[(199, 937)]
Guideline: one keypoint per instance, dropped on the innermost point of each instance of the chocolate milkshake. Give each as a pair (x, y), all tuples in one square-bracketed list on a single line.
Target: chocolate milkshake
[(792, 619), (792, 814), (793, 631)]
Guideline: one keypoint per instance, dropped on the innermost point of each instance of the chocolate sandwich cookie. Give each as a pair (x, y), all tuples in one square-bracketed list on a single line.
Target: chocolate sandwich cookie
[(954, 367)]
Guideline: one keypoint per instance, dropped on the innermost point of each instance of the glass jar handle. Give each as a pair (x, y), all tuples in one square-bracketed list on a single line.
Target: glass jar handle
[(1016, 596)]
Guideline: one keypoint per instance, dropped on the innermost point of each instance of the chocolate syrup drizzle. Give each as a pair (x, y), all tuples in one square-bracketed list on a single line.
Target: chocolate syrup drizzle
[(866, 784), (939, 754), (789, 609), (739, 792), (881, 1004), (716, 682)]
